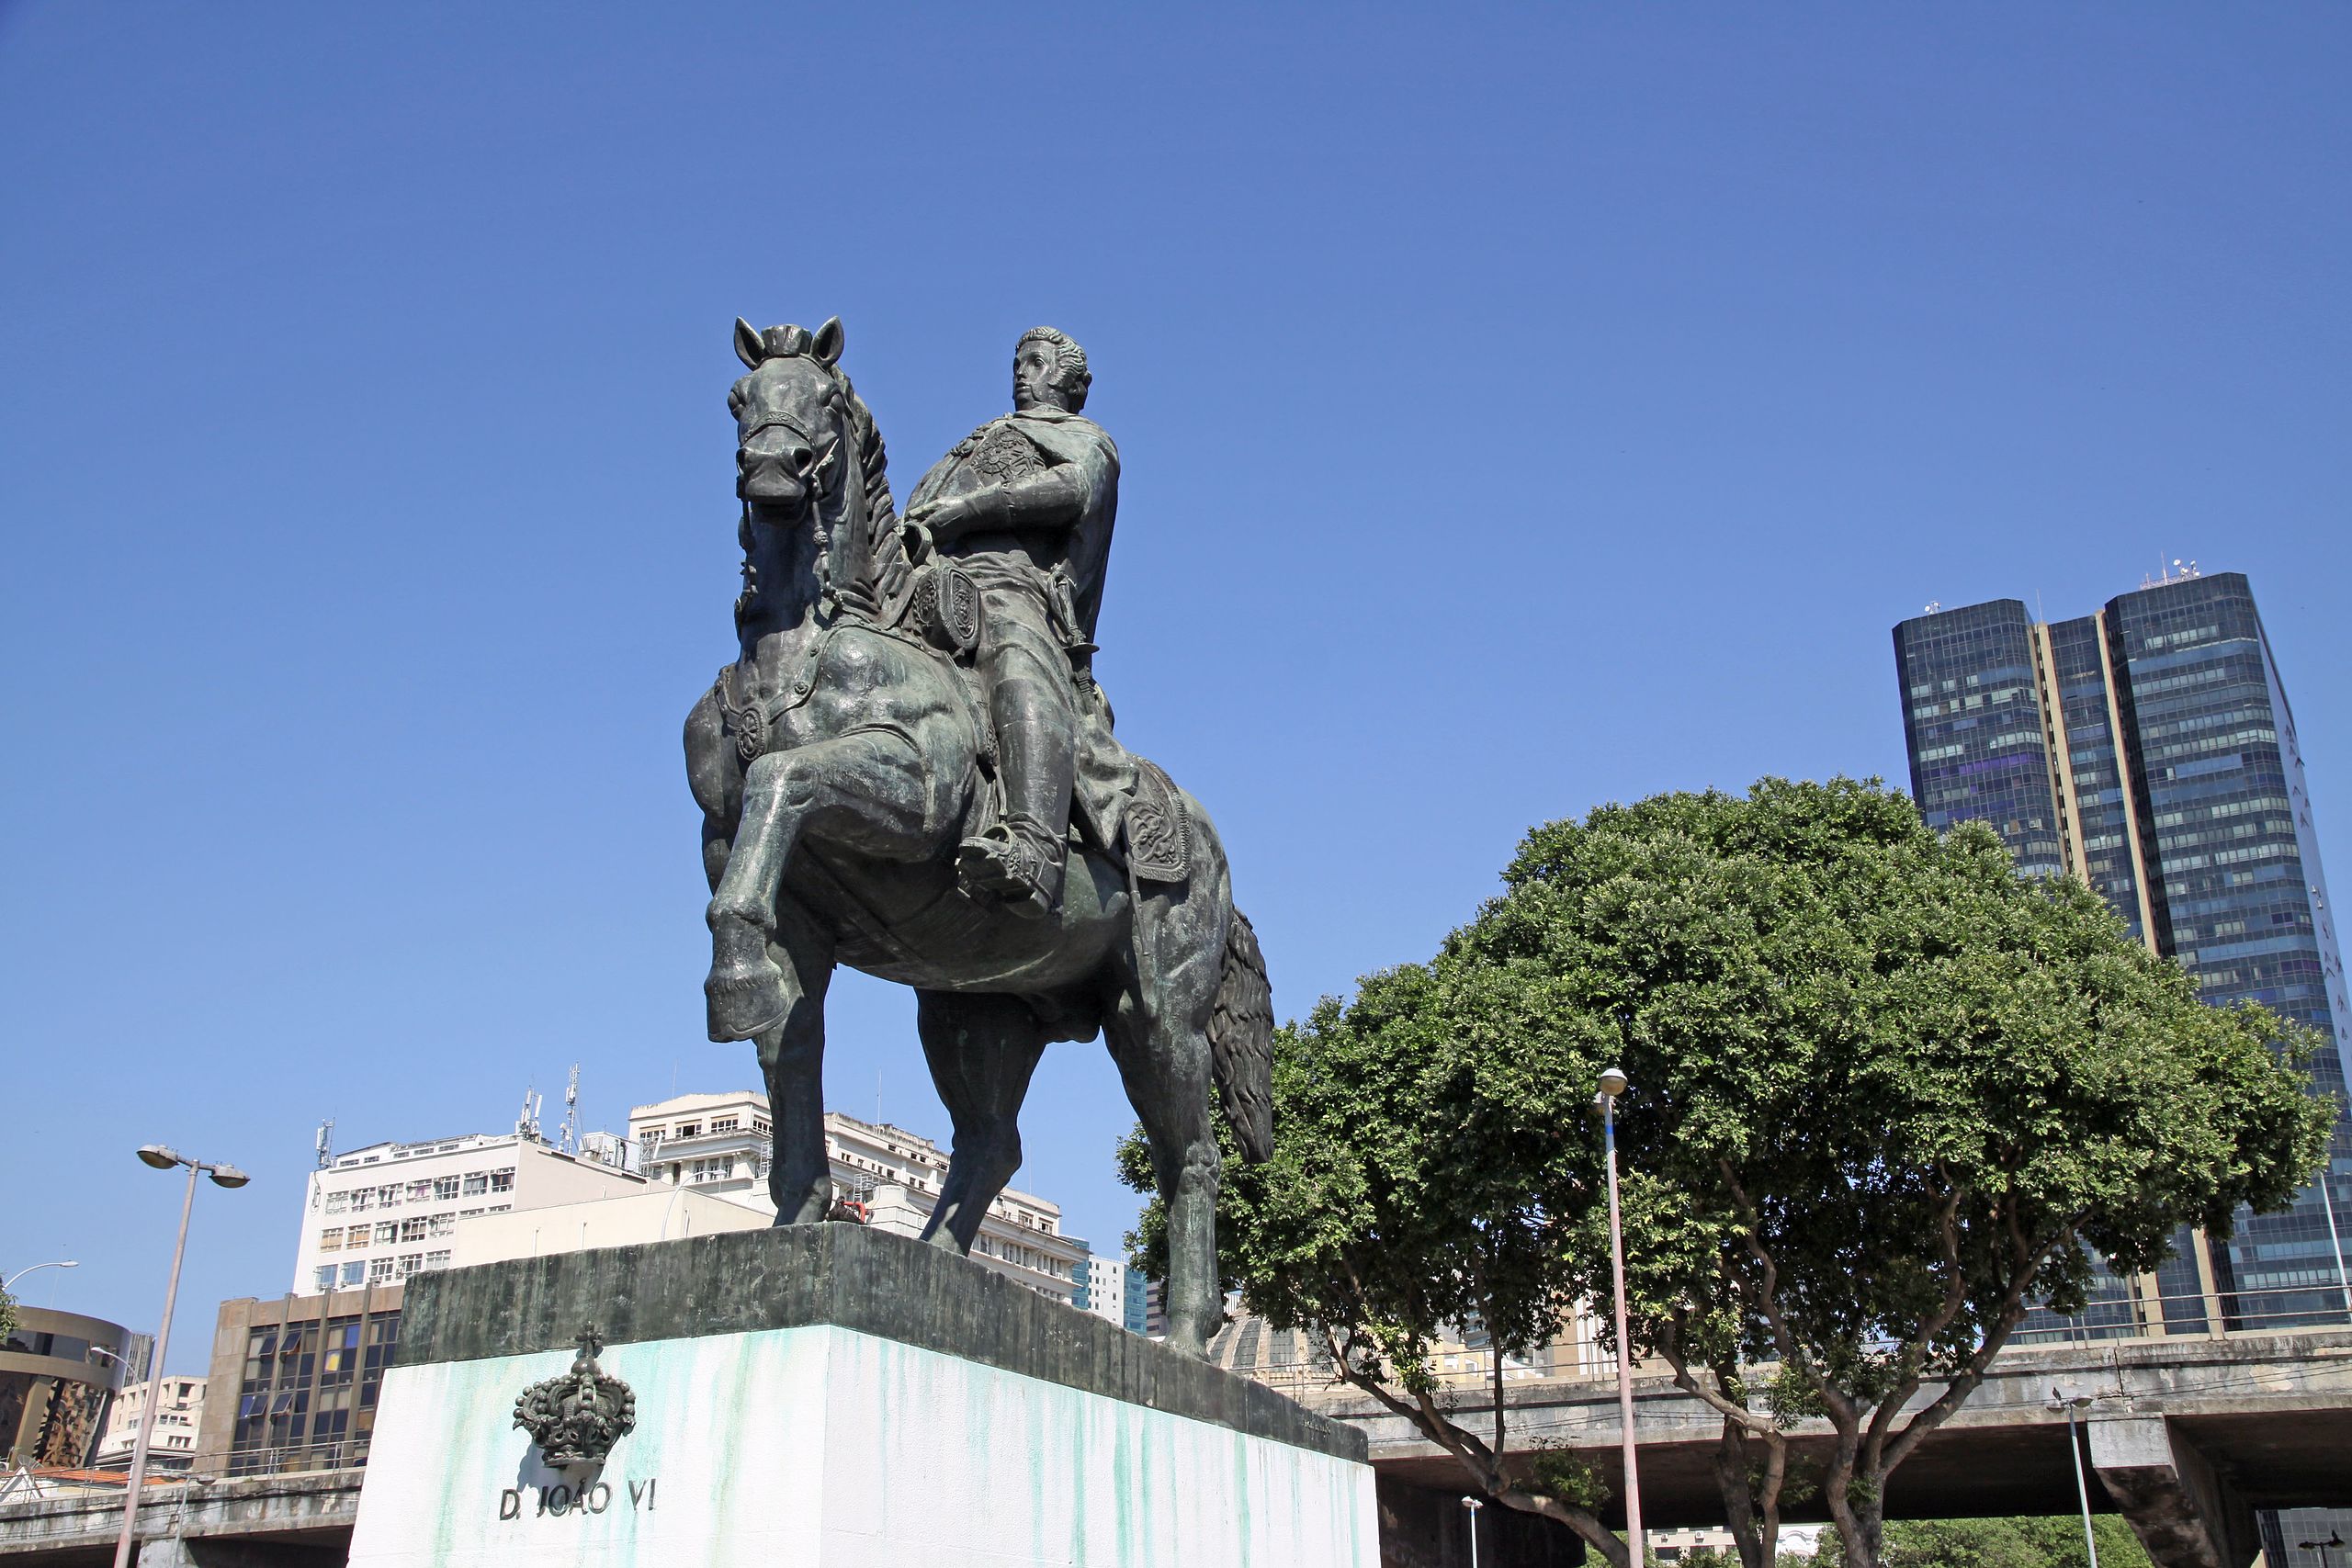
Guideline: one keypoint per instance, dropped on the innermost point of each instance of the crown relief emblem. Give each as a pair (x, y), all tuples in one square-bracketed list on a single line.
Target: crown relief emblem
[(576, 1418)]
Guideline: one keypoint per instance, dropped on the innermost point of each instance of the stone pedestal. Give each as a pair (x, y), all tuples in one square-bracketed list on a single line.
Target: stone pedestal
[(835, 1397)]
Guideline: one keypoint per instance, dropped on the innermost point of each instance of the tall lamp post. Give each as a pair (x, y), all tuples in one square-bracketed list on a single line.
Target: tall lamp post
[(1473, 1506), (1613, 1084), (2334, 1538), (162, 1158), (2082, 1487)]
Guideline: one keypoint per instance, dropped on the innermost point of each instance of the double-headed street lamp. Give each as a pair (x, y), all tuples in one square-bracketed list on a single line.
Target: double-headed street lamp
[(162, 1158), (1613, 1084), (2335, 1540)]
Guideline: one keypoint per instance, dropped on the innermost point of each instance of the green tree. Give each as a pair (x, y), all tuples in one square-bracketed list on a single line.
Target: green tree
[(7, 1314), (1892, 1094), (1887, 1094)]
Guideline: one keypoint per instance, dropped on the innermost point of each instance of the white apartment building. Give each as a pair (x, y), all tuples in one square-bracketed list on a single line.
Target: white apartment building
[(377, 1215), (173, 1446), (1116, 1291), (720, 1143)]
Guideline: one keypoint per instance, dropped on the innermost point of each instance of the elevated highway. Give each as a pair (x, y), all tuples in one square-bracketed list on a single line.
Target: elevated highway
[(2188, 1435)]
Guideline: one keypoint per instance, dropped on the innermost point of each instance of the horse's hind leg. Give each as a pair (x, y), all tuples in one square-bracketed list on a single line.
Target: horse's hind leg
[(792, 1059), (1158, 1037), (981, 1050)]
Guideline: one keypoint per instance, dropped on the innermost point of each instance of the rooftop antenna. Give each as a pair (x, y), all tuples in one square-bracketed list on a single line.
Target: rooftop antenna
[(571, 1139), (527, 1123), (326, 1142)]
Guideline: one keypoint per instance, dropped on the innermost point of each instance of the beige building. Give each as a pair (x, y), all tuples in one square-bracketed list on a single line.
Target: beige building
[(654, 1213), (718, 1143), (377, 1215), (177, 1420)]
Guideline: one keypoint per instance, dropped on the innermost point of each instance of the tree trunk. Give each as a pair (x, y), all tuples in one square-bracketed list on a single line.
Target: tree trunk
[(1751, 1493), (1739, 1508)]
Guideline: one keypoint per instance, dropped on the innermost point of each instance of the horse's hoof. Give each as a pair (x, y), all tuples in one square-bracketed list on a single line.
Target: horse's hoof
[(747, 1002)]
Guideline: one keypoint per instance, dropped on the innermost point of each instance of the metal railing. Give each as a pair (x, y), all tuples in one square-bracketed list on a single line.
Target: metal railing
[(292, 1459), (2122, 1314)]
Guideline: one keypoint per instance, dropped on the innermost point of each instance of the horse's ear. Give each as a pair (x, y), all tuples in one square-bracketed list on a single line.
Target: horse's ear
[(828, 343), (749, 347)]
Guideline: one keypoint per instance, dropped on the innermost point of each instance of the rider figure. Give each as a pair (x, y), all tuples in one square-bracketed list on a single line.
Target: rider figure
[(1024, 506)]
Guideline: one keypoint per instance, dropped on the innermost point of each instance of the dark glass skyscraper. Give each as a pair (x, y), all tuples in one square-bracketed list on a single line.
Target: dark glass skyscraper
[(2148, 749)]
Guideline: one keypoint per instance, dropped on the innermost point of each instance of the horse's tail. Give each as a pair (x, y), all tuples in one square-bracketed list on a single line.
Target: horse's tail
[(1241, 1042)]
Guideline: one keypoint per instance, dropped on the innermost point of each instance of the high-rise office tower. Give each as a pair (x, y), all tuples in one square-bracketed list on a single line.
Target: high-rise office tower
[(2148, 749)]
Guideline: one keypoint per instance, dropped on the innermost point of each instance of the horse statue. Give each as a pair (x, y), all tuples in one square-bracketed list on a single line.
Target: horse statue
[(840, 761)]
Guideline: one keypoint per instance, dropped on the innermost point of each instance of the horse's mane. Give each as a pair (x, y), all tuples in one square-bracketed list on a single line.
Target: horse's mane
[(886, 559)]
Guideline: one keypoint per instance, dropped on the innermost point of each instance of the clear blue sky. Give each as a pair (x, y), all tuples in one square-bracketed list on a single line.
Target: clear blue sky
[(1527, 407)]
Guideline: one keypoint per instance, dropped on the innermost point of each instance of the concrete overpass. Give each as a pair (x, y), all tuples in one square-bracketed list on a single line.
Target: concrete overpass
[(2188, 1435)]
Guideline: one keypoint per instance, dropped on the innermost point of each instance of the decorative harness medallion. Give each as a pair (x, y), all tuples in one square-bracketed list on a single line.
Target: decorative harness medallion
[(577, 1418), (753, 722)]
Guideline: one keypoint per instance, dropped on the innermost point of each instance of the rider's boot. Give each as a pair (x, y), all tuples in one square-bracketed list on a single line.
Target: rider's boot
[(1021, 858)]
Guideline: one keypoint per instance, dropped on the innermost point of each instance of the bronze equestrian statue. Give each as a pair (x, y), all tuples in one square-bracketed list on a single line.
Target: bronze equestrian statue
[(910, 770)]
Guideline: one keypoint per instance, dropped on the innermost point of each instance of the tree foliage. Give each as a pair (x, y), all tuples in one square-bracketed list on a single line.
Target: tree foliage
[(1887, 1095), (2055, 1542)]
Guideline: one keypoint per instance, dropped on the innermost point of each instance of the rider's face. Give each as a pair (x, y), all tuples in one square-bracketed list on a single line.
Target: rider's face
[(1033, 375)]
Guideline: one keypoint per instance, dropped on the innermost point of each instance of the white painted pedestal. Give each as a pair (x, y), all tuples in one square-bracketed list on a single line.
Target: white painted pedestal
[(819, 1445)]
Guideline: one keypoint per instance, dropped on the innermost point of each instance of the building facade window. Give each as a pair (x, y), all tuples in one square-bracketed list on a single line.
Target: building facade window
[(444, 1189), (477, 1183), (502, 1181)]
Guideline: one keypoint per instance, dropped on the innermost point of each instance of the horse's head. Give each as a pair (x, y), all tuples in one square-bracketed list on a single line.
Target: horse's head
[(792, 417)]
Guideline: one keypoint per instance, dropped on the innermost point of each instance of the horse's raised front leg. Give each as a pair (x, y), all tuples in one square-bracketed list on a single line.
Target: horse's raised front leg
[(981, 1050), (792, 1059), (865, 787)]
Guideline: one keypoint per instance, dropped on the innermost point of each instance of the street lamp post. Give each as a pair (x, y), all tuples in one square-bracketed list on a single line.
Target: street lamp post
[(2334, 1538), (2082, 1486), (9, 1284), (2335, 1243), (1473, 1506), (162, 1158), (1613, 1084)]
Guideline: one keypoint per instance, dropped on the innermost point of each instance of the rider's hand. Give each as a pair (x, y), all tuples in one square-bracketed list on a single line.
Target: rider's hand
[(944, 517), (915, 539)]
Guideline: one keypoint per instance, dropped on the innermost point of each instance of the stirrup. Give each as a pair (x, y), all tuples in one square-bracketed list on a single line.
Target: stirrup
[(1006, 866)]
